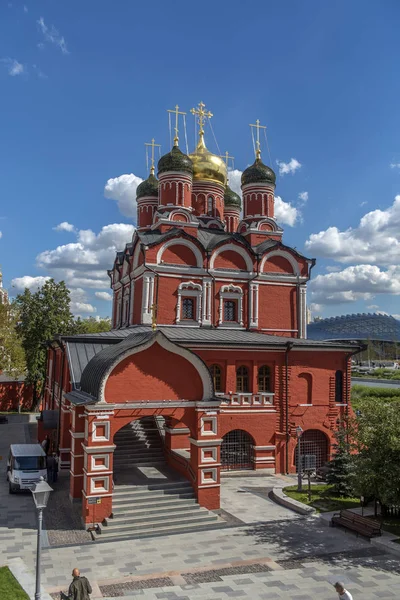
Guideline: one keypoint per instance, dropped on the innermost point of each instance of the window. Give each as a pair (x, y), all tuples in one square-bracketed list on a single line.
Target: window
[(210, 206), (242, 379), (339, 387), (264, 379), (188, 308), (216, 377), (229, 310)]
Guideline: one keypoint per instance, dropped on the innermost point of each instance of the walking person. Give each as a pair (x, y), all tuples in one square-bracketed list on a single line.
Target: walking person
[(50, 468), (55, 467), (80, 587), (342, 592), (46, 444)]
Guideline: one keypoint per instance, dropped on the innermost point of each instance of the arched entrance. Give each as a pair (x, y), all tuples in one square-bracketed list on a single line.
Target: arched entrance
[(313, 442), (237, 451)]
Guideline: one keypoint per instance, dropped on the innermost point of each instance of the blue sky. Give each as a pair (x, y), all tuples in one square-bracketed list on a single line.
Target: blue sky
[(85, 84)]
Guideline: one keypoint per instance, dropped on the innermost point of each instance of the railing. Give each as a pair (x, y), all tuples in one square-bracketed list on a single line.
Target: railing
[(261, 399)]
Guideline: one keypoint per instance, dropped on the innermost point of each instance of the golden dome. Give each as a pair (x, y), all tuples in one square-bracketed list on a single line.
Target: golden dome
[(206, 165)]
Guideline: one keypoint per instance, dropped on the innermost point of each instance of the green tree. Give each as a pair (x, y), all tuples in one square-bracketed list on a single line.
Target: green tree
[(341, 473), (91, 325), (42, 315), (377, 462)]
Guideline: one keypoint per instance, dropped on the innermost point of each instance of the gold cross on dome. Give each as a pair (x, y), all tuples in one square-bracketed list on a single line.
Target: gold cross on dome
[(227, 157), (258, 127), (202, 116), (152, 145), (177, 113)]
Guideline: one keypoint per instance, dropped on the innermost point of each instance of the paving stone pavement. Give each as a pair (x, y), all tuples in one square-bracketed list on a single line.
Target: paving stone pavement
[(305, 556)]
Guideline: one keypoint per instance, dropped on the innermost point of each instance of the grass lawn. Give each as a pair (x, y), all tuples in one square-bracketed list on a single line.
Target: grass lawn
[(9, 586), (322, 498)]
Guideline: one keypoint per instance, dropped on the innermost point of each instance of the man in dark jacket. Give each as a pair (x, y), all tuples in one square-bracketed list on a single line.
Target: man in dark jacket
[(80, 587)]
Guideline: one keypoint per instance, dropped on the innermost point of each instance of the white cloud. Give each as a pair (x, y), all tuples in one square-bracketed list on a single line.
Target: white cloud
[(291, 167), (375, 240), (32, 283), (1, 234), (333, 269), (52, 35), (104, 296), (84, 263), (396, 317), (64, 226), (13, 66), (363, 203), (360, 282), (82, 307), (25, 8), (316, 308), (122, 189), (303, 197), (372, 306), (285, 213), (395, 165)]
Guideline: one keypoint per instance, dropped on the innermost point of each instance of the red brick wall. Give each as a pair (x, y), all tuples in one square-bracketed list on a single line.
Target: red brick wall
[(13, 393), (283, 302), (153, 374), (179, 255), (230, 260)]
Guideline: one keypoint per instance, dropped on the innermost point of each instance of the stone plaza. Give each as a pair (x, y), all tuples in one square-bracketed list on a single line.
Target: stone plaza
[(264, 551)]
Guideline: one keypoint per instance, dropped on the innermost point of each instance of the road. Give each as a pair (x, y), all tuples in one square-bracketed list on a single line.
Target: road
[(378, 383)]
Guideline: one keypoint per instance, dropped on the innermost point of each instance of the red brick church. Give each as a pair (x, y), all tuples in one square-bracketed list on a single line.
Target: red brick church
[(208, 341)]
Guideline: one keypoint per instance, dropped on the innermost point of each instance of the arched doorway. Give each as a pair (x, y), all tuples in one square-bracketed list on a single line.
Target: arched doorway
[(237, 451), (313, 442)]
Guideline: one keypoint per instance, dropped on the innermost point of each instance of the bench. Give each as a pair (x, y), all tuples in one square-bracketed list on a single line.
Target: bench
[(361, 525), (3, 419)]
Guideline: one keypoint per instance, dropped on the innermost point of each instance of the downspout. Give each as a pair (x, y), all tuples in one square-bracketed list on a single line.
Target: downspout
[(146, 266), (289, 346)]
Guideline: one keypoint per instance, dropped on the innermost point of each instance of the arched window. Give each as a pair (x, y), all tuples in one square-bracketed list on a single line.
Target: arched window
[(339, 387), (264, 379), (237, 451), (210, 206), (230, 310), (242, 379), (188, 308), (216, 377)]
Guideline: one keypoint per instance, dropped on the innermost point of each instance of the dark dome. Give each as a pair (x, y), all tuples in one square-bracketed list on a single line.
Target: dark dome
[(175, 161), (148, 187), (258, 173), (231, 198)]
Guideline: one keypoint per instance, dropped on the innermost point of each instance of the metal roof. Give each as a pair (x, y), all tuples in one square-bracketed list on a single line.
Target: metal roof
[(361, 326), (79, 354), (27, 450)]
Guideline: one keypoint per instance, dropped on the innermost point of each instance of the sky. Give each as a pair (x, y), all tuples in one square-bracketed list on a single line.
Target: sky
[(83, 86)]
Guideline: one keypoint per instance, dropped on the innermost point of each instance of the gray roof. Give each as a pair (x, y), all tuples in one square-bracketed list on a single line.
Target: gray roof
[(27, 450), (90, 355), (7, 379)]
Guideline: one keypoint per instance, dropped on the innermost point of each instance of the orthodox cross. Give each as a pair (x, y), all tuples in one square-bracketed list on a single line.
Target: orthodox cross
[(227, 157), (152, 145), (154, 317), (202, 116), (177, 113), (258, 127)]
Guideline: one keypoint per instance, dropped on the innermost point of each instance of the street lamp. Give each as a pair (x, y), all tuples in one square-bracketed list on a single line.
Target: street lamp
[(41, 494), (299, 433)]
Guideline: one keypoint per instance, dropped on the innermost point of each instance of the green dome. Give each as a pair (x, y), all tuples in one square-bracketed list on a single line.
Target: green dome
[(148, 187), (175, 161), (258, 173), (231, 198)]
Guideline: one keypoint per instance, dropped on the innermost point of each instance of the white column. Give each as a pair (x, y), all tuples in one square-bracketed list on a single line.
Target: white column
[(132, 300), (303, 312), (241, 309), (146, 312), (221, 304), (206, 302), (199, 307), (254, 304), (178, 307)]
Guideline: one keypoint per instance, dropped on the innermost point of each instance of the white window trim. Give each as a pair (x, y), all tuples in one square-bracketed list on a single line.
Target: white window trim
[(231, 292), (189, 290)]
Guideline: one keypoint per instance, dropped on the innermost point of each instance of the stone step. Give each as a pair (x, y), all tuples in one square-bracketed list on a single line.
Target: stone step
[(152, 487), (154, 516), (179, 520), (137, 450), (147, 501), (159, 462), (156, 506), (130, 456), (162, 531)]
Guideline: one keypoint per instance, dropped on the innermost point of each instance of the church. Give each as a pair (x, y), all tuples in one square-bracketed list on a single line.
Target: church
[(208, 348)]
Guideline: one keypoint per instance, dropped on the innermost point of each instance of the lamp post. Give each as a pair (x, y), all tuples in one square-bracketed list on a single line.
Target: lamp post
[(41, 494), (299, 433)]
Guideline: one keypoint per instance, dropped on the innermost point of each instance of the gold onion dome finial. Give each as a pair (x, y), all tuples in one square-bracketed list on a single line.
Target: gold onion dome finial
[(206, 165)]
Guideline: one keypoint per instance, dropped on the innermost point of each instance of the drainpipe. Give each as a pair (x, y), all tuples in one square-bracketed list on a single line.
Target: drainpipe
[(157, 278), (289, 346)]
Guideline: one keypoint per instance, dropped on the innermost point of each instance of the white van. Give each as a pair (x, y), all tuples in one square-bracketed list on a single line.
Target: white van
[(25, 465)]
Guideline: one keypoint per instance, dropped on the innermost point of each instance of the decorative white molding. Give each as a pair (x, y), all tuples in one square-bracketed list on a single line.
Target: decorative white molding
[(189, 289), (254, 289), (147, 298), (231, 292), (303, 311)]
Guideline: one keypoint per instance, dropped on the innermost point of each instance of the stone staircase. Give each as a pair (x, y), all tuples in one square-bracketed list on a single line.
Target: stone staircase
[(149, 498)]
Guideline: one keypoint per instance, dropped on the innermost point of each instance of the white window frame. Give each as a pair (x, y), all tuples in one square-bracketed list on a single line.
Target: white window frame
[(231, 292), (189, 290)]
